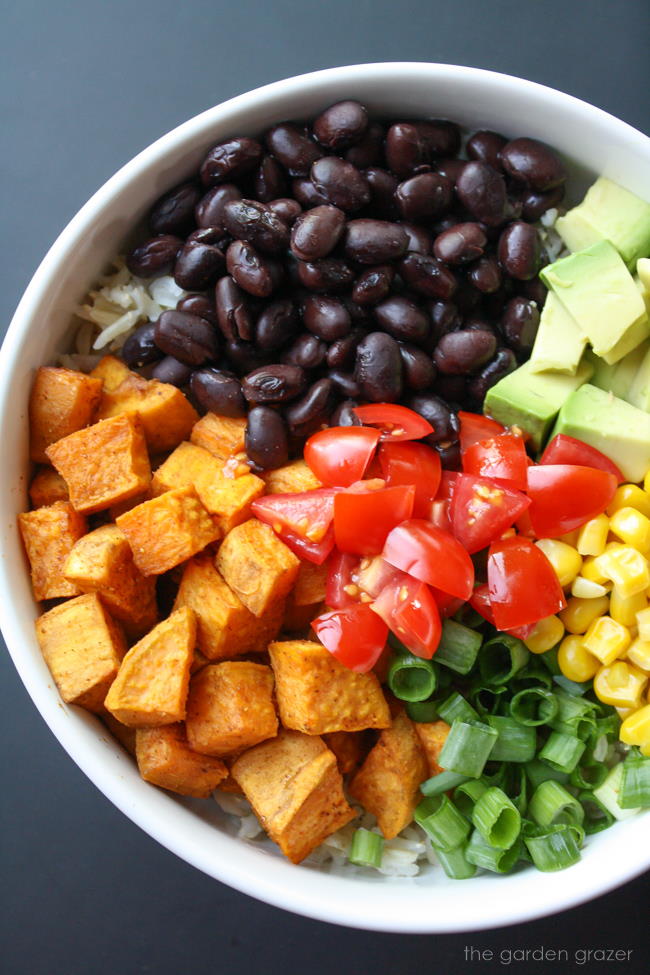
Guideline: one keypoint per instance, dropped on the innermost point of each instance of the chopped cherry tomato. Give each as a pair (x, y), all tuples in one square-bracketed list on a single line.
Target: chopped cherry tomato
[(410, 610), (412, 463), (564, 497), (395, 422), (315, 552), (481, 510), (362, 520), (439, 515), (354, 635), (307, 514), (480, 601), (339, 580), (522, 583), (447, 605), (447, 484), (431, 555), (339, 456), (475, 427), (374, 574), (502, 458), (524, 526), (567, 450)]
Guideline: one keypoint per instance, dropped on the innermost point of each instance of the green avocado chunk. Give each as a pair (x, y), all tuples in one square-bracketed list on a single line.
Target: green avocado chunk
[(620, 378), (559, 344), (639, 392), (532, 400), (618, 429)]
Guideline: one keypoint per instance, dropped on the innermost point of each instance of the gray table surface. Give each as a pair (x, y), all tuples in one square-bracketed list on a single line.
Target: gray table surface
[(84, 85)]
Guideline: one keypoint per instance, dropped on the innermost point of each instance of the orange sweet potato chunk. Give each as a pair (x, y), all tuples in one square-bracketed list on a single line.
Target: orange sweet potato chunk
[(432, 735), (103, 464), (49, 534), (348, 748), (222, 436), (61, 402), (47, 487), (165, 759), (257, 565), (290, 479)]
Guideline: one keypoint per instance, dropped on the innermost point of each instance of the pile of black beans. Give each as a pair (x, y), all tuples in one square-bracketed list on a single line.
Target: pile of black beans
[(344, 261)]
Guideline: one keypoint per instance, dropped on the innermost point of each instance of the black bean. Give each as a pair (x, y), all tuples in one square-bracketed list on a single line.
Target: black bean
[(140, 347), (266, 438), (503, 363), (198, 266), (317, 232), (293, 148), (254, 222), (373, 285), (233, 311), (450, 457), (452, 389), (535, 289), (374, 241), (520, 250), (209, 209), (464, 351), (256, 274), (485, 274), (418, 368), (277, 325), (369, 151), (269, 181), (445, 317), (307, 195), (156, 256), (382, 193), (344, 415), (419, 239), (170, 370), (378, 368), (360, 316), (230, 160), (218, 391), (424, 197), (460, 244), (428, 276), (441, 136), (200, 305), (341, 183), (341, 125), (173, 213), (245, 356), (485, 146), (326, 316), (519, 324), (307, 414), (341, 353), (467, 298), (477, 323), (325, 274), (402, 319), (535, 203), (274, 384), (306, 351), (444, 422), (406, 149), (188, 338), (493, 304), (531, 162), (286, 209), (344, 383), (482, 190)]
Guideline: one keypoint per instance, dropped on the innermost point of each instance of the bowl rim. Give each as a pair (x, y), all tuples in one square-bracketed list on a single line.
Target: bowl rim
[(321, 898)]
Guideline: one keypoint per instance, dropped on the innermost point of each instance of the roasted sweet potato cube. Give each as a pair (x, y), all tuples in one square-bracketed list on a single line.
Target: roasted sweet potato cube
[(83, 648), (165, 759), (432, 735), (47, 487), (125, 736), (290, 479), (61, 402), (103, 464), (222, 436), (230, 707), (257, 565), (111, 372), (185, 466), (299, 618), (167, 530), (387, 784), (151, 686), (225, 628), (102, 562), (49, 534), (295, 788), (347, 747), (310, 584), (317, 694)]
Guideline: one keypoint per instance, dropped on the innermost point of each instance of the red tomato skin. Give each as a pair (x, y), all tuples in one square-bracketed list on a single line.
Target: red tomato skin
[(482, 509), (440, 517), (522, 584), (396, 422), (412, 463), (475, 427), (339, 575), (338, 456), (409, 609), (502, 458), (362, 520), (480, 601), (448, 481), (315, 552), (431, 555), (354, 635), (563, 449), (565, 496), (447, 605), (289, 511)]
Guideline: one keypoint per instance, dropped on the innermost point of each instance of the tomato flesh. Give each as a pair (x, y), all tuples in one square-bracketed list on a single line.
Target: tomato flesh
[(308, 514), (363, 519), (475, 427), (565, 496), (315, 552), (431, 555), (502, 458), (563, 449), (354, 635), (522, 584), (338, 456), (412, 463), (481, 510), (395, 422), (409, 609), (339, 580)]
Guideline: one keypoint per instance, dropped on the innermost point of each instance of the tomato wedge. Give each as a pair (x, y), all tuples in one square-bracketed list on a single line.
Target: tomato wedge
[(394, 421), (339, 579), (307, 514), (564, 497), (354, 635), (447, 605), (563, 449), (363, 519), (522, 584), (481, 510), (439, 515), (338, 456), (475, 427), (412, 463), (315, 552), (431, 555), (447, 484), (502, 458), (408, 607), (480, 601)]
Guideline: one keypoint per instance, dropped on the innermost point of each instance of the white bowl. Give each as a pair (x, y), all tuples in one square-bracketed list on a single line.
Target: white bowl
[(593, 142)]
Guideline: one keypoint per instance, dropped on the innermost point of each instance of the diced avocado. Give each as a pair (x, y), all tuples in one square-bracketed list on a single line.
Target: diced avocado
[(639, 391), (532, 400), (559, 343), (609, 212), (597, 289), (624, 372), (603, 374), (643, 272), (618, 429)]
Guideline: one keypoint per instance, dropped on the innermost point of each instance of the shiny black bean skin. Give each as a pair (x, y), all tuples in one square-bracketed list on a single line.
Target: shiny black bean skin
[(425, 197), (274, 384), (519, 250), (445, 317), (374, 241), (172, 371), (307, 195), (253, 222), (286, 208), (464, 351), (402, 319), (492, 305), (342, 352), (230, 160), (382, 193), (428, 276), (140, 347), (467, 298), (155, 256), (209, 209), (443, 420), (218, 391), (531, 162), (326, 317), (200, 305), (344, 415), (373, 285), (341, 183), (369, 151), (482, 191), (418, 369), (378, 368), (451, 168), (254, 273), (293, 148), (420, 240), (534, 289), (266, 438), (441, 136), (485, 146), (198, 266), (325, 274), (519, 324), (344, 383), (485, 274), (452, 389), (460, 244), (277, 325), (450, 456), (245, 356), (270, 181), (406, 149), (317, 232), (307, 414), (502, 363), (188, 338), (341, 125), (173, 213), (306, 351), (233, 312), (535, 203)]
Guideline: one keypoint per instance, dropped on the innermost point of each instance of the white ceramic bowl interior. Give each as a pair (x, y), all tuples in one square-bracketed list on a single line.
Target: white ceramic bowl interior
[(592, 142)]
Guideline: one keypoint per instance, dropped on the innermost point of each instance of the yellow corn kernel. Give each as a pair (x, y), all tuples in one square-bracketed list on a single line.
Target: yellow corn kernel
[(632, 527), (592, 537), (586, 589), (575, 661), (635, 729), (624, 713), (565, 560), (591, 571), (627, 569), (624, 609), (630, 496), (579, 614), (646, 481), (620, 685), (643, 622), (638, 653), (545, 634), (607, 639), (645, 750), (570, 538)]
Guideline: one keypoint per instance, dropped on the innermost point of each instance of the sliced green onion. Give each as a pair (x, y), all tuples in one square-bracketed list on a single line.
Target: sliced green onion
[(488, 700), (455, 706), (467, 793), (455, 863), (468, 616), (467, 747), (496, 818), (422, 711), (442, 782), (501, 658), (608, 725), (533, 706), (575, 715), (494, 773), (482, 854), (571, 686), (553, 847), (442, 822), (562, 752), (549, 659), (635, 783), (532, 675), (537, 772), (516, 742), (597, 816), (459, 646), (367, 848), (517, 787), (550, 803), (411, 678), (608, 794), (588, 777)]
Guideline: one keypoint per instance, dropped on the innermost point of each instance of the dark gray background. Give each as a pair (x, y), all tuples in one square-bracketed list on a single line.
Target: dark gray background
[(84, 85)]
